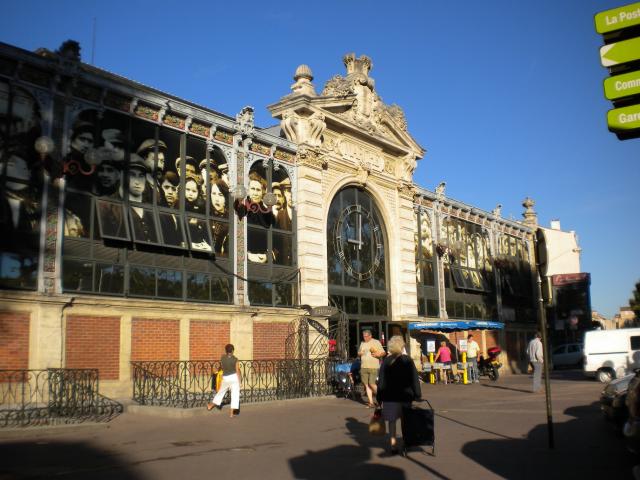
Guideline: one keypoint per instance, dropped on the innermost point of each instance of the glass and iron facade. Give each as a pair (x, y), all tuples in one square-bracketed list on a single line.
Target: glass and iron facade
[(164, 229)]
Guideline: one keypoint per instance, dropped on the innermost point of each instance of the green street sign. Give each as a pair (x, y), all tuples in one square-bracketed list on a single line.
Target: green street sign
[(622, 86), (624, 119), (618, 18), (620, 52)]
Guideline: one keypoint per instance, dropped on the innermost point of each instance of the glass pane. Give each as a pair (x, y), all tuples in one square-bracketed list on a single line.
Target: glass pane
[(427, 273), (366, 306), (172, 231), (260, 293), (221, 289), (282, 210), (170, 180), (421, 307), (193, 199), (450, 308), (83, 137), (170, 283), (109, 278), (459, 310), (111, 219), (18, 270), (152, 153), (197, 149), (284, 294), (77, 215), (351, 304), (432, 308), (381, 306), (282, 249), (220, 236), (142, 281), (198, 286), (336, 301), (199, 239), (77, 275), (257, 245), (143, 224), (259, 213)]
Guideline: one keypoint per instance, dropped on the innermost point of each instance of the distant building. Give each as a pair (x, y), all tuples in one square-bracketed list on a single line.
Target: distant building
[(626, 318)]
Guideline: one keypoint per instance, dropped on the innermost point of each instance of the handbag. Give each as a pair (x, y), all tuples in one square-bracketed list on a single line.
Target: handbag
[(376, 425), (216, 380)]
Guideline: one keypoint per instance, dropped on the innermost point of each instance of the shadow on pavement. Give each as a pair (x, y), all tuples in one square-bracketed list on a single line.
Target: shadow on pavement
[(52, 459), (352, 461), (580, 444), (500, 387)]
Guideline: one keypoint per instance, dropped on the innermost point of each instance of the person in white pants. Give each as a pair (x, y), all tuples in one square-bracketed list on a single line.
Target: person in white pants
[(231, 379)]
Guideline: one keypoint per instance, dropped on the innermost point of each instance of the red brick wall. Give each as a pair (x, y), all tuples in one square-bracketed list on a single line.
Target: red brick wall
[(269, 340), (94, 342), (155, 339), (14, 341), (207, 339)]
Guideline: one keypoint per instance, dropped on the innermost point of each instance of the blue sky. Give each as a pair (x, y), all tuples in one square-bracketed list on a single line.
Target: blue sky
[(506, 96)]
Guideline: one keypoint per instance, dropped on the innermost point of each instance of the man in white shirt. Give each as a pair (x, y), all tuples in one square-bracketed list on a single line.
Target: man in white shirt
[(472, 357), (536, 357)]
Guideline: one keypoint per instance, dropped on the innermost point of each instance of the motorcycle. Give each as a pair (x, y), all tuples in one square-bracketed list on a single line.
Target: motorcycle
[(490, 366)]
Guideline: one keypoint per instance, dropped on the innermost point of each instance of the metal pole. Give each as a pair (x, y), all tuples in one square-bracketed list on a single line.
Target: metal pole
[(545, 352)]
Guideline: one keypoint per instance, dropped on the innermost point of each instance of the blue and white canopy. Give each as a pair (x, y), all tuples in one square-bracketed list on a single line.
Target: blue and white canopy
[(457, 325)]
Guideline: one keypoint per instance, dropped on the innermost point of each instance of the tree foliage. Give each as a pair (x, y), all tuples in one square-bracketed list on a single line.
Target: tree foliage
[(634, 302)]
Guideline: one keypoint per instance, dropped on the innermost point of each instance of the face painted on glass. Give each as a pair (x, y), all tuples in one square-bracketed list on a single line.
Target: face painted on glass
[(255, 191), (137, 182), (170, 192), (191, 190), (217, 198), (83, 142)]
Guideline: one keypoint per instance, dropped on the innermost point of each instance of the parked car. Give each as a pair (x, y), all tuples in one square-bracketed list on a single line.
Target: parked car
[(613, 398), (610, 354), (567, 355), (632, 426)]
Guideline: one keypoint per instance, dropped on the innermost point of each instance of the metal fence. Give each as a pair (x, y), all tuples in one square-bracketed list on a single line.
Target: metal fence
[(187, 384), (53, 396)]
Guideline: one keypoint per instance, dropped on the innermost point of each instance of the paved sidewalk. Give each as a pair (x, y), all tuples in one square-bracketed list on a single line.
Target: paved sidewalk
[(486, 430)]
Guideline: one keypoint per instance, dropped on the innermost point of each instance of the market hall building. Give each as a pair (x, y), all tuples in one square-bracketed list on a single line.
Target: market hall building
[(138, 226)]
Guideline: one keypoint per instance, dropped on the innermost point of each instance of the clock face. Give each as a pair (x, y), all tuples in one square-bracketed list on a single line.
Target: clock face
[(358, 242)]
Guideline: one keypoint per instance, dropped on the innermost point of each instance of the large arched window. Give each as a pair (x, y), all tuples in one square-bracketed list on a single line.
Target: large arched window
[(356, 263), (20, 188), (271, 258), (426, 284), (468, 272)]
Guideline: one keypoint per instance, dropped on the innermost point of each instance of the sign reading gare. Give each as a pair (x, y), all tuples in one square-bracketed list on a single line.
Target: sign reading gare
[(620, 29)]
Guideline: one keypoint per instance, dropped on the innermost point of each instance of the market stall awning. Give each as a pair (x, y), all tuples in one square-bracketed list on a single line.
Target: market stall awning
[(457, 325)]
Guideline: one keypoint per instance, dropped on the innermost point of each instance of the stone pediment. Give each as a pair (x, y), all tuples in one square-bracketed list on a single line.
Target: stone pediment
[(347, 104)]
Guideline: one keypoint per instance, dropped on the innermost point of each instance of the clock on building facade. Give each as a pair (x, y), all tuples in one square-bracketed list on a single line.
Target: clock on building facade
[(358, 241)]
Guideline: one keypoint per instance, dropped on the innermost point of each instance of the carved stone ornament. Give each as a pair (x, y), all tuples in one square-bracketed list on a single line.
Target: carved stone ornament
[(303, 85), (408, 166), (407, 190), (304, 130), (368, 111), (244, 121), (309, 157), (440, 190), (497, 212), (362, 175)]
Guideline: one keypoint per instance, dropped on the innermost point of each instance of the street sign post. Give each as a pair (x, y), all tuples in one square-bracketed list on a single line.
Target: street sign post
[(620, 28)]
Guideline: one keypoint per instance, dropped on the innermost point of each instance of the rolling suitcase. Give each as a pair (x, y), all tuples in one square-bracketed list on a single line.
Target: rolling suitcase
[(418, 427)]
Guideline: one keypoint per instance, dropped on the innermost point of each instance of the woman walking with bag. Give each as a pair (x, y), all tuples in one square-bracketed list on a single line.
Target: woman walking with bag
[(398, 386), (231, 379)]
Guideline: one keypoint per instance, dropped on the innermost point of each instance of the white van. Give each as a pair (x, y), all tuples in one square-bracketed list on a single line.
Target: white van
[(610, 354)]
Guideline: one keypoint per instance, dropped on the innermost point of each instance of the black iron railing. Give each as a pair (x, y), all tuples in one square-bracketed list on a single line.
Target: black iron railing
[(53, 396), (187, 384)]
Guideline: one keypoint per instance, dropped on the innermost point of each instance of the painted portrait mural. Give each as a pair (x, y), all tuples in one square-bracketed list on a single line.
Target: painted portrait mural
[(20, 188), (132, 187)]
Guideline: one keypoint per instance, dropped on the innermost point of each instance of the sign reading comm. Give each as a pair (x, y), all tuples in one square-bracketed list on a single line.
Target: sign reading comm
[(620, 29)]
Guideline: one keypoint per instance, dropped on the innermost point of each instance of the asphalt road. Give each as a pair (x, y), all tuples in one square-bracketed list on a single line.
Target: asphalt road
[(483, 431)]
